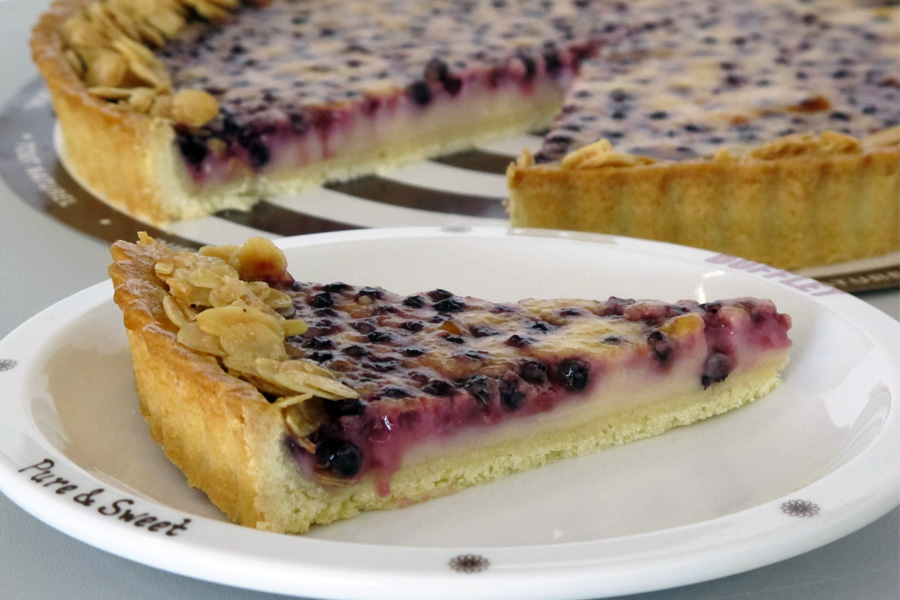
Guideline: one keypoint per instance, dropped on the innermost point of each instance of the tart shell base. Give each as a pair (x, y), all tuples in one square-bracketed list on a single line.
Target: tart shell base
[(792, 213)]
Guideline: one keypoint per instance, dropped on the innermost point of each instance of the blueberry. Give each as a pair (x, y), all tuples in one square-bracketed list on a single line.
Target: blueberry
[(321, 300), (620, 95), (336, 287), (364, 327), (483, 331), (437, 387), (476, 355), (660, 345), (259, 154), (574, 374), (298, 123), (370, 292), (382, 364), (412, 352), (379, 336), (414, 301), (355, 351), (530, 66), (436, 70), (345, 407), (413, 326), (339, 457), (321, 356), (193, 149), (449, 305), (551, 62), (718, 365), (480, 388), (318, 343), (394, 392), (419, 92), (453, 85), (516, 341), (511, 397), (534, 372), (439, 294)]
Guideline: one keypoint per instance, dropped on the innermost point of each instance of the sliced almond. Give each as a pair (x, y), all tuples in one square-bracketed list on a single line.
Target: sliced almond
[(194, 108)]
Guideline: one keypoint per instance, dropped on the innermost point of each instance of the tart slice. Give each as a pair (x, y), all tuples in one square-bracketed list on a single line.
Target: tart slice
[(292, 403)]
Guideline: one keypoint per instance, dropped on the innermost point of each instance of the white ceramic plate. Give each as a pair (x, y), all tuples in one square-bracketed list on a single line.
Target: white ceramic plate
[(811, 462)]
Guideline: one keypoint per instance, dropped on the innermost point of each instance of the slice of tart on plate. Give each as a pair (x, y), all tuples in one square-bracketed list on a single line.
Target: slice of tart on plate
[(292, 403)]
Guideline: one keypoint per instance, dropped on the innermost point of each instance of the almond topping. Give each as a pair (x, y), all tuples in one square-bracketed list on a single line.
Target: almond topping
[(194, 108)]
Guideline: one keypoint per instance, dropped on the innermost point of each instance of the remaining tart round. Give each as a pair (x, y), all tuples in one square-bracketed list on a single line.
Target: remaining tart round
[(292, 403), (762, 129)]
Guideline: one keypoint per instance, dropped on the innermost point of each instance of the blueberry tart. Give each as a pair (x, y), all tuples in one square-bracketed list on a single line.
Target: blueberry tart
[(292, 403), (767, 130)]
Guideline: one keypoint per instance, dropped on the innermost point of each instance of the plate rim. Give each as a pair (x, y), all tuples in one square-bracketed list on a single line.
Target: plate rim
[(524, 580)]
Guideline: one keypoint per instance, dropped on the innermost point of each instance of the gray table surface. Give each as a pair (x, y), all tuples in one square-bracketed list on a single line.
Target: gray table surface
[(43, 261)]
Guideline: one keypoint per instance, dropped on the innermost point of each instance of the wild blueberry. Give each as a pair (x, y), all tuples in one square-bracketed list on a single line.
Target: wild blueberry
[(321, 356), (379, 336), (339, 408), (452, 84), (574, 374), (339, 457), (419, 92), (480, 388), (718, 365), (483, 331), (414, 301), (259, 154), (355, 351), (365, 327), (318, 343), (321, 300), (534, 372), (193, 149), (437, 387), (530, 66), (336, 287), (394, 392), (370, 292), (660, 345), (449, 305), (510, 396), (516, 341), (552, 63), (413, 326)]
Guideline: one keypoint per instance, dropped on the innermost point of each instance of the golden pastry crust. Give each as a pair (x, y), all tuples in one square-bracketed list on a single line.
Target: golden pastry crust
[(231, 442), (796, 202), (124, 150)]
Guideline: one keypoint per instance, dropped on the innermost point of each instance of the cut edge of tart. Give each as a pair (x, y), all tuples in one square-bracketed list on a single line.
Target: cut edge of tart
[(793, 201), (243, 401), (796, 202), (120, 115)]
